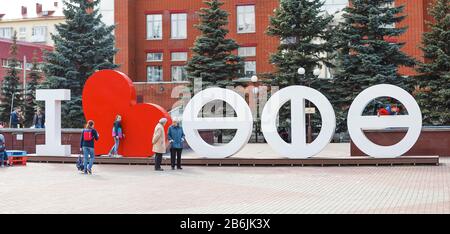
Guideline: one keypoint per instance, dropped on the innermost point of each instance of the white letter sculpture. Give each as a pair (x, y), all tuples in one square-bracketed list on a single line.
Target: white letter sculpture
[(357, 123), (298, 148), (191, 123), (53, 98)]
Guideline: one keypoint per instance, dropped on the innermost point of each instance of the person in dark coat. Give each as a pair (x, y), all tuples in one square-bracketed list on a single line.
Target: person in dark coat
[(88, 138), (15, 118), (39, 119), (3, 157), (176, 140)]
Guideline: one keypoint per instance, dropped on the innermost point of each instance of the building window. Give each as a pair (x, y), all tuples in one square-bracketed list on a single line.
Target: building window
[(179, 56), (179, 73), (250, 68), (22, 33), (5, 63), (179, 26), (154, 73), (246, 19), (154, 27), (39, 34), (155, 57), (28, 66), (288, 40), (247, 51), (6, 33)]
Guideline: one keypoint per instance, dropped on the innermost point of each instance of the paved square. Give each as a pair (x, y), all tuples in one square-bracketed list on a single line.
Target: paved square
[(59, 188)]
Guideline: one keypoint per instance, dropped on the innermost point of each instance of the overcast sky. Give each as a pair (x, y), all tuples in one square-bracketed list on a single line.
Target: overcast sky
[(12, 8)]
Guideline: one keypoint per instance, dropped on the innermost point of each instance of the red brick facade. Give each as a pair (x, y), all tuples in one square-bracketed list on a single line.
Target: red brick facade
[(25, 51), (132, 42), (417, 15)]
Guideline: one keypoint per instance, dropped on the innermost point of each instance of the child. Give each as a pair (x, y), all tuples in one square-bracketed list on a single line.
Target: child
[(117, 134)]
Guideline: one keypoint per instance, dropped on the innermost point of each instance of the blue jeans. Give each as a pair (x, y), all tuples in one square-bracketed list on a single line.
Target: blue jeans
[(89, 157), (2, 159), (115, 147)]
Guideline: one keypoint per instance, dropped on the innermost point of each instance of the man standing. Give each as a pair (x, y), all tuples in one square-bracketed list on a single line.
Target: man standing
[(15, 118), (159, 143), (176, 139)]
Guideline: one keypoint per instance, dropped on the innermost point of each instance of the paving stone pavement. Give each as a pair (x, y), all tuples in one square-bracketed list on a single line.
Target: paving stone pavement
[(59, 188)]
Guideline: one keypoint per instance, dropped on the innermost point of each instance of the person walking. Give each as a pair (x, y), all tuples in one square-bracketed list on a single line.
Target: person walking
[(176, 139), (159, 143), (117, 134), (39, 119), (3, 156), (88, 138)]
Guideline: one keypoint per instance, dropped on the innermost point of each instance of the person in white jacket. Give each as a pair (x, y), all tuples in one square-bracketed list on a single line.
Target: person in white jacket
[(159, 143)]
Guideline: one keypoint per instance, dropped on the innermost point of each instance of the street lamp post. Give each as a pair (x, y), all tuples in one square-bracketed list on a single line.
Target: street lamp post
[(301, 71), (316, 74), (255, 90)]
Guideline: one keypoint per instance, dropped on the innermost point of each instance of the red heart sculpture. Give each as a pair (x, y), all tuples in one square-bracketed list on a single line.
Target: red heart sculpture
[(108, 93)]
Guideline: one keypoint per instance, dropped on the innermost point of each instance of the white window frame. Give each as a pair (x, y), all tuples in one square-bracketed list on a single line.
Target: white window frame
[(179, 56), (246, 68), (152, 21), (247, 51), (244, 13), (153, 72), (22, 32), (42, 36), (5, 63), (178, 22), (6, 32), (175, 70), (151, 56)]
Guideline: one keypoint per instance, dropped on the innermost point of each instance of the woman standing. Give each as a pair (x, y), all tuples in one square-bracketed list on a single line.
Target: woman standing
[(159, 143), (88, 138), (117, 134), (39, 119)]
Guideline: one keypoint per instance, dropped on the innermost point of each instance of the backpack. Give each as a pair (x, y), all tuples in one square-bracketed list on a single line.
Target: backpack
[(80, 164), (119, 132), (88, 135)]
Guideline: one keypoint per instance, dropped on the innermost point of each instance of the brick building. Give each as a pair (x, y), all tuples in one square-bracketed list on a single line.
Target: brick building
[(154, 39), (25, 56)]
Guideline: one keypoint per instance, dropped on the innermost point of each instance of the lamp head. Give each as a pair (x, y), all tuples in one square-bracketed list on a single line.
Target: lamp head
[(301, 71)]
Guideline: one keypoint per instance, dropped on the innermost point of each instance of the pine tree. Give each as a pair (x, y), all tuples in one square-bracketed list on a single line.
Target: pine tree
[(213, 60), (304, 30), (83, 45), (30, 97), (433, 93), (367, 55), (11, 87), (305, 33)]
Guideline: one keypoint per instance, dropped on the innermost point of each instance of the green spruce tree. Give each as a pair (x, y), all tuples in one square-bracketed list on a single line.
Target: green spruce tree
[(11, 87), (83, 45), (305, 33), (213, 60), (433, 93), (30, 97), (367, 55), (304, 30)]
